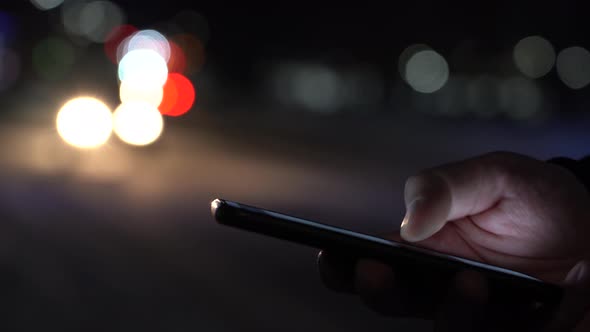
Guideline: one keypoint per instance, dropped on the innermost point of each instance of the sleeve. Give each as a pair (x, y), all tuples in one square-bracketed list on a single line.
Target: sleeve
[(580, 168)]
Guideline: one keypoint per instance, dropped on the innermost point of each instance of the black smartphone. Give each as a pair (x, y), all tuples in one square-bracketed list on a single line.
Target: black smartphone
[(504, 285)]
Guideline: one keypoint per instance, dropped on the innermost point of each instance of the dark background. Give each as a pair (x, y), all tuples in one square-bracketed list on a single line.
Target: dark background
[(121, 238)]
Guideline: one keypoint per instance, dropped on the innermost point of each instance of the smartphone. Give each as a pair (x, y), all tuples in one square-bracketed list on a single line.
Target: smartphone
[(504, 285)]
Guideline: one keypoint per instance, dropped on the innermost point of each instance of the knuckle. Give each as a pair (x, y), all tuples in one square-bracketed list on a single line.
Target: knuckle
[(517, 172), (505, 165)]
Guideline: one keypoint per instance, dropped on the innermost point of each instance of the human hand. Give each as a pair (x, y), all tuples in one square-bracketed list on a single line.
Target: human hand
[(501, 208)]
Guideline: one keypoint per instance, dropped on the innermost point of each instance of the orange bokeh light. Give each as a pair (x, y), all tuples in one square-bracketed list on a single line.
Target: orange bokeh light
[(179, 95), (114, 39)]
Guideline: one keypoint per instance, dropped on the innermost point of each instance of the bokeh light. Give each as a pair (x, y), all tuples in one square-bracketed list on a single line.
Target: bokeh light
[(311, 87), (46, 4), (194, 52), (316, 88), (179, 95), (92, 20), (427, 71), (7, 28), (98, 18), (138, 123), (534, 56), (148, 40), (482, 96), (149, 93), (520, 98), (115, 38), (53, 58), (10, 63), (453, 99), (143, 67), (406, 55), (71, 11), (85, 122), (573, 67), (177, 62)]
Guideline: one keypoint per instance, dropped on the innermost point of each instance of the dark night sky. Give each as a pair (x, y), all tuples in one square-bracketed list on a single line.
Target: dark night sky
[(245, 32), (245, 35)]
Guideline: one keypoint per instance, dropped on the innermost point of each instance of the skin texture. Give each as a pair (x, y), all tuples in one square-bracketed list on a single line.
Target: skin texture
[(500, 208)]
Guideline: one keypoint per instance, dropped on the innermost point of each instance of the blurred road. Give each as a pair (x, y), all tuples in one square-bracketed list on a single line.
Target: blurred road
[(121, 239)]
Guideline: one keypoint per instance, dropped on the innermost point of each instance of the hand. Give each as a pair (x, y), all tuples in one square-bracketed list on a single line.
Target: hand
[(501, 208)]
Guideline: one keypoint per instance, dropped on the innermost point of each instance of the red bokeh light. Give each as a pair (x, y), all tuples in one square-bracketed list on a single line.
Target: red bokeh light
[(194, 51), (114, 39), (179, 95), (177, 62)]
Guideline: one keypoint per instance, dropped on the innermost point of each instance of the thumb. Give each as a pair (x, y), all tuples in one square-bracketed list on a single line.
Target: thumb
[(454, 191)]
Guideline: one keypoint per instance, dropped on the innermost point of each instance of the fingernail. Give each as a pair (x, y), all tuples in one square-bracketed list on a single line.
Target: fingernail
[(407, 228)]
